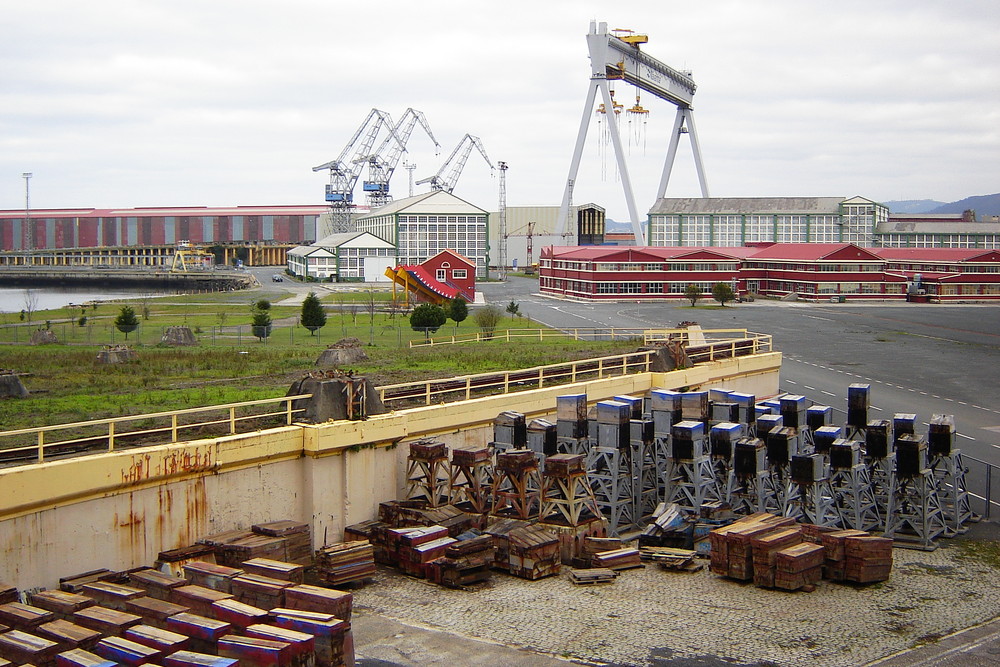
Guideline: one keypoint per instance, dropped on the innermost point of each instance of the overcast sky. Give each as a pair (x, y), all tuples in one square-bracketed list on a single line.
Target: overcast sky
[(122, 103)]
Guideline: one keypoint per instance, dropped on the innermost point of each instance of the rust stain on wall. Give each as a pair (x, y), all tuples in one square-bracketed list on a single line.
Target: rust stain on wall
[(131, 531), (138, 470), (142, 467)]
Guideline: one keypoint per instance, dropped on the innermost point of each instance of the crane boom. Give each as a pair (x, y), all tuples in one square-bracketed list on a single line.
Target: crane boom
[(382, 163), (462, 152), (344, 171)]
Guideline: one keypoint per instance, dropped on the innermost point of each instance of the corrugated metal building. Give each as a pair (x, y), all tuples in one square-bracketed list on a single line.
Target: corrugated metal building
[(91, 227)]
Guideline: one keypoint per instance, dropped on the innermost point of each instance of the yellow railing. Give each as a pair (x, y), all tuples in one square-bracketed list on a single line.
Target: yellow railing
[(156, 428), (463, 387), (507, 335)]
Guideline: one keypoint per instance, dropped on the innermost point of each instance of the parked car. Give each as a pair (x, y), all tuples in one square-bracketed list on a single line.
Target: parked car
[(277, 278)]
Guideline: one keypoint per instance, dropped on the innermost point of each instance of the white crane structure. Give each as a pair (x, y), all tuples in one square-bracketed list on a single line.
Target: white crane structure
[(447, 183), (382, 163), (502, 215), (619, 58), (344, 171)]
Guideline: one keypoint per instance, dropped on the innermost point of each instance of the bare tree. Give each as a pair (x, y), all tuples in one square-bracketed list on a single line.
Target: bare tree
[(30, 303)]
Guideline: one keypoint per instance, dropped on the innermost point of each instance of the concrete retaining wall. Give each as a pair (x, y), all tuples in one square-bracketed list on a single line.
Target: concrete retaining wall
[(120, 509)]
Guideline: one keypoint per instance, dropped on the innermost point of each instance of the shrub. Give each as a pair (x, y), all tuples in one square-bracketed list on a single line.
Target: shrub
[(487, 319), (458, 310), (692, 293), (722, 292), (427, 317)]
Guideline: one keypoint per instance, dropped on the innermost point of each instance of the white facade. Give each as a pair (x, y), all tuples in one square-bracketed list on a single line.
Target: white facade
[(423, 225), (348, 257), (716, 222)]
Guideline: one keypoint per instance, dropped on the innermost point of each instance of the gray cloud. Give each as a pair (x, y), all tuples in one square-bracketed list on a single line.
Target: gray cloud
[(152, 103)]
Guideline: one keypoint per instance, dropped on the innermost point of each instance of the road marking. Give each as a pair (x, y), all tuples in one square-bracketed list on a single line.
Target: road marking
[(827, 393), (814, 317), (874, 408), (791, 381), (967, 437), (805, 386)]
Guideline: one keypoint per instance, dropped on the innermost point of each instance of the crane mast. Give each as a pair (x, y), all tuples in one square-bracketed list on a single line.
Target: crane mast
[(382, 163), (502, 214), (344, 170), (462, 152)]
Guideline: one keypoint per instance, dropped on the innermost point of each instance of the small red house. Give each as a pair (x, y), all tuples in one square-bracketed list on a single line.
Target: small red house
[(445, 276)]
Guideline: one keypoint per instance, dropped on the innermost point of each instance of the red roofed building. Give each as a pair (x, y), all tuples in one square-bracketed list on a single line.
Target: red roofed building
[(811, 271), (443, 277)]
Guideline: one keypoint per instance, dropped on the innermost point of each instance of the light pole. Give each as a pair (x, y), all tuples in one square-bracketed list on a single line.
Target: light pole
[(28, 240)]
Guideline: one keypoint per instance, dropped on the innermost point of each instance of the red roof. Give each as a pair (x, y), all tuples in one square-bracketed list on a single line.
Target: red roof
[(815, 252), (166, 210), (641, 253), (939, 254), (422, 276), (452, 253)]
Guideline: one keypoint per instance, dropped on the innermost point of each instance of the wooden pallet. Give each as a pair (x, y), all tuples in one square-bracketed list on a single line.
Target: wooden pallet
[(593, 576)]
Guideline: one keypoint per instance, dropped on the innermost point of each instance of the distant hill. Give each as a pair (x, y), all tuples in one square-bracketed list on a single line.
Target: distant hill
[(913, 205), (982, 205)]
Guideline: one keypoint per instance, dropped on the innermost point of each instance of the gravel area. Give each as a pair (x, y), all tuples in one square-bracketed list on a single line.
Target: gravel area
[(652, 616)]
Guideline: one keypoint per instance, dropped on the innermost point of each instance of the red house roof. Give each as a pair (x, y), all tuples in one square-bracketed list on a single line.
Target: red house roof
[(814, 252), (939, 254)]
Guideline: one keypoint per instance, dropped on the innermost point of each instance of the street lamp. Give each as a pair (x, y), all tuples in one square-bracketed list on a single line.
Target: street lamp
[(28, 240)]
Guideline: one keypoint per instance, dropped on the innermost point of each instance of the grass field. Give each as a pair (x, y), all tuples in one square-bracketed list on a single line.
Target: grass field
[(229, 364)]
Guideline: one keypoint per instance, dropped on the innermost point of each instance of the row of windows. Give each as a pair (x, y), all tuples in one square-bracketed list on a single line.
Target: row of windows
[(474, 219), (985, 241)]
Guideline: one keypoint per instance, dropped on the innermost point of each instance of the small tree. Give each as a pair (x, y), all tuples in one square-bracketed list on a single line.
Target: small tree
[(722, 292), (313, 316), (261, 304), (487, 319), (514, 309), (260, 324), (458, 310), (126, 321), (692, 293), (427, 317)]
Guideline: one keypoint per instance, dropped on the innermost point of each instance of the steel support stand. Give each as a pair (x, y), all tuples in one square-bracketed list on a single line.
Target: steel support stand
[(914, 516), (611, 480), (949, 476), (855, 499)]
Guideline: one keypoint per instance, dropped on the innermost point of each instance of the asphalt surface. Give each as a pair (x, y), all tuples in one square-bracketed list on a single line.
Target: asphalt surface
[(925, 359)]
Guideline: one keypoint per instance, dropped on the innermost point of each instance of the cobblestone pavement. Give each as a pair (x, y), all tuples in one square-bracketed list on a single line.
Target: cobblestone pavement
[(651, 616)]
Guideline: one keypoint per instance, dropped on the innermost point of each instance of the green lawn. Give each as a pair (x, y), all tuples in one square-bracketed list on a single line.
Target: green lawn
[(229, 364)]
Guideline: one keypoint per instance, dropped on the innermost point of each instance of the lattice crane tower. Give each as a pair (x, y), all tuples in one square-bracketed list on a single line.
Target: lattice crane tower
[(502, 215), (344, 170), (619, 58)]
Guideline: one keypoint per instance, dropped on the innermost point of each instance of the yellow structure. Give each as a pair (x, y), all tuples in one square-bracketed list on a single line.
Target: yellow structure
[(120, 508)]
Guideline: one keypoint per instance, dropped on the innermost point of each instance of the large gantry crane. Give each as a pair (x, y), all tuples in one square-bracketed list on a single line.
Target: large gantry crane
[(344, 171), (613, 58), (382, 163), (447, 183)]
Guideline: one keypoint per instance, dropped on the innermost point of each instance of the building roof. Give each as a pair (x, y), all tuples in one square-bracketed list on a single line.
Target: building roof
[(181, 211), (938, 254), (357, 239), (814, 252), (455, 255), (614, 253), (436, 201), (909, 225), (749, 205)]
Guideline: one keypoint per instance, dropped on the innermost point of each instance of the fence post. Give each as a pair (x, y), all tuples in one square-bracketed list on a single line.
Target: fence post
[(173, 428), (232, 420), (111, 436), (41, 446)]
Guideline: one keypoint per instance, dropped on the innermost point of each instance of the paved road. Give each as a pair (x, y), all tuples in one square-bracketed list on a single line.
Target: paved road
[(919, 358)]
